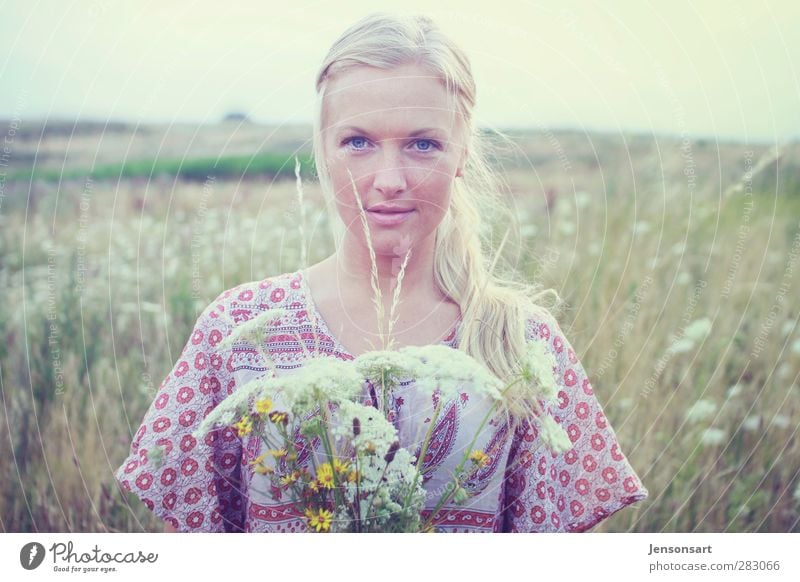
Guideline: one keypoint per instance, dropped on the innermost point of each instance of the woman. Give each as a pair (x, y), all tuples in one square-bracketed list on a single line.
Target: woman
[(394, 134)]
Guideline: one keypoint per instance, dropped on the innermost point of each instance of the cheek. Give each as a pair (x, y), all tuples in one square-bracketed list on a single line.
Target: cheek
[(433, 191), (343, 186)]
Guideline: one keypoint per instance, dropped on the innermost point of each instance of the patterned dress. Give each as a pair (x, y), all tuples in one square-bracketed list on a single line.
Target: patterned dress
[(209, 485)]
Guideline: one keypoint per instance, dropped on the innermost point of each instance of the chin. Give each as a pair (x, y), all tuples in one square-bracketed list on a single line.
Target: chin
[(392, 244), (395, 246)]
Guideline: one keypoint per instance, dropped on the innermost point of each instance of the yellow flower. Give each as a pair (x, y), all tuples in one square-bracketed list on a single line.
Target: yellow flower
[(352, 476), (325, 475), (277, 453), (264, 406), (259, 459), (479, 458), (262, 469), (314, 485), (290, 478), (320, 520), (278, 417), (244, 426), (340, 466)]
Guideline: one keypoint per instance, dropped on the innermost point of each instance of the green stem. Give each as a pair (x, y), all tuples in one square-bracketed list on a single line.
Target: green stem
[(358, 494), (327, 442), (375, 492), (422, 452), (446, 497)]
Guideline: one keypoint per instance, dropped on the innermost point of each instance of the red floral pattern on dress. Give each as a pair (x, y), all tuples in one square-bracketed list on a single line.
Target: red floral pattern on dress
[(594, 479), (206, 484), (178, 490)]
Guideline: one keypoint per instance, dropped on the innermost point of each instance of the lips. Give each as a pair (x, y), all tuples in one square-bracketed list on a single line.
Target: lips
[(389, 218), (388, 208)]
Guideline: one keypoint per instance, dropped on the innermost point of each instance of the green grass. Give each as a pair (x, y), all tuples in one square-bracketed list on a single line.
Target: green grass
[(198, 169)]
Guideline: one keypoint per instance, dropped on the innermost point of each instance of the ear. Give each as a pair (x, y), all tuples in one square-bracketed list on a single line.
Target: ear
[(461, 162)]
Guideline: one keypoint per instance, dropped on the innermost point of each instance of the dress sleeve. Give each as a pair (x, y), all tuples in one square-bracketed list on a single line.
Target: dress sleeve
[(575, 490), (192, 484)]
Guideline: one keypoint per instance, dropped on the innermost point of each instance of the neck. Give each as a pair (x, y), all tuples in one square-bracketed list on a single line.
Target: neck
[(354, 269)]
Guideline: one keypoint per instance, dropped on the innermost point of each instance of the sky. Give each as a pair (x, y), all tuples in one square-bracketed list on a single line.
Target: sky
[(725, 69)]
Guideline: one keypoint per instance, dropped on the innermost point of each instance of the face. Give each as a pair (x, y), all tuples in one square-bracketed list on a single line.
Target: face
[(398, 134)]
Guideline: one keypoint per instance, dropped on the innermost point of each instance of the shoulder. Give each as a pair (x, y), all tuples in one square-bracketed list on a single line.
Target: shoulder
[(246, 300), (542, 325)]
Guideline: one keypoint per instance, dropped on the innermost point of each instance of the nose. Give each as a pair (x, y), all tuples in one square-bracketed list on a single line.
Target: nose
[(390, 176)]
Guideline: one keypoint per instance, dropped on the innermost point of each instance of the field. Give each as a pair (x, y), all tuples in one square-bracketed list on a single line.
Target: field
[(678, 261)]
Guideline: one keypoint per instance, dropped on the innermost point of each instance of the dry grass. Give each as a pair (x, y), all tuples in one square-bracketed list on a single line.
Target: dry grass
[(100, 299)]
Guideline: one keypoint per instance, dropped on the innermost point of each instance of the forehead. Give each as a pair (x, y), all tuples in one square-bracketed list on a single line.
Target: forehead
[(387, 101)]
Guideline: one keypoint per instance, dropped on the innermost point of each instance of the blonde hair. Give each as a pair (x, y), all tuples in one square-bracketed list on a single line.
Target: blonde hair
[(494, 309)]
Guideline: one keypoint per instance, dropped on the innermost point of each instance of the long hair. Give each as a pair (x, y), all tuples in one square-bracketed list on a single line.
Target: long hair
[(494, 308)]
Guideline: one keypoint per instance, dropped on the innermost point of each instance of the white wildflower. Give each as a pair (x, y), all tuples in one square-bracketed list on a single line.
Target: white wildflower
[(322, 379), (784, 371), (714, 436), (796, 493), (681, 346), (566, 227), (253, 330), (796, 347), (373, 428), (787, 328), (396, 365), (149, 307), (734, 390), (554, 436), (678, 249), (780, 421), (701, 410), (234, 406), (538, 366), (403, 468), (641, 227), (698, 329), (683, 278), (447, 369), (751, 423), (582, 199), (156, 456)]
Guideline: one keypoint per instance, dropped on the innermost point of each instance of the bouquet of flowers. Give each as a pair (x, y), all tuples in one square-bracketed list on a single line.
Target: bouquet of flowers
[(365, 480)]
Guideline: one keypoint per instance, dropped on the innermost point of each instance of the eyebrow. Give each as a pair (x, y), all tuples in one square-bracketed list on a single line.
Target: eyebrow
[(415, 133)]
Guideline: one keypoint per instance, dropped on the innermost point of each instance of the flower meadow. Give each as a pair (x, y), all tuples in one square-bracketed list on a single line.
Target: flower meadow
[(680, 302)]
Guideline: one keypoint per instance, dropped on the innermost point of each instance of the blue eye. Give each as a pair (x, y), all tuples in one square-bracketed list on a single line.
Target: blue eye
[(359, 144), (353, 140), (431, 145)]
